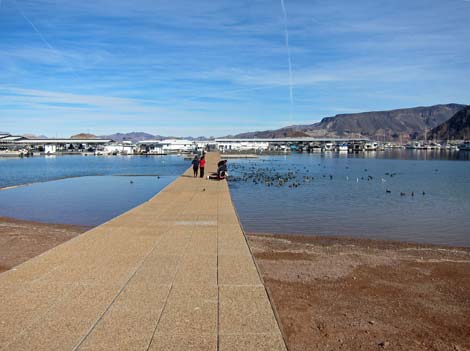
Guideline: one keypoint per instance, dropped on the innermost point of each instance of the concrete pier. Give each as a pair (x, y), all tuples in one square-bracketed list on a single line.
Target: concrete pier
[(174, 273)]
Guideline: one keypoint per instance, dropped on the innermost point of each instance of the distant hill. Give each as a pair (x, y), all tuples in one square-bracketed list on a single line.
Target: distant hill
[(33, 136), (139, 136), (84, 136), (406, 124), (456, 128), (134, 136), (287, 132), (118, 137)]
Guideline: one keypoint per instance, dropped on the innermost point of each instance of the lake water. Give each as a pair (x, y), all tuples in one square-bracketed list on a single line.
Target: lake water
[(357, 195), (86, 201), (324, 194), (102, 187), (15, 171)]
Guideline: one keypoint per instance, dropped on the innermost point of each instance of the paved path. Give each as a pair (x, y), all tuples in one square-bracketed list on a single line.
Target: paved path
[(172, 274)]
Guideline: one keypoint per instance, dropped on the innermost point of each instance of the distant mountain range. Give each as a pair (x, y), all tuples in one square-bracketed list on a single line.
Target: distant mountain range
[(118, 137), (139, 136), (457, 127), (133, 136), (30, 136), (405, 124), (441, 122)]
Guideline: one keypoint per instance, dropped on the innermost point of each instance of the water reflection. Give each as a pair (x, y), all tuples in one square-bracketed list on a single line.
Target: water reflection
[(84, 201)]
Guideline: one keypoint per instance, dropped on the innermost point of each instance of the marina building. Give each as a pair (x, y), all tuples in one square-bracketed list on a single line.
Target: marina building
[(178, 145), (122, 148), (10, 144), (166, 146), (286, 144)]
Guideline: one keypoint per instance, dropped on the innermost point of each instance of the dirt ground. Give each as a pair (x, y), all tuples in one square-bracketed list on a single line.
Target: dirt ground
[(355, 294), (22, 240), (331, 293)]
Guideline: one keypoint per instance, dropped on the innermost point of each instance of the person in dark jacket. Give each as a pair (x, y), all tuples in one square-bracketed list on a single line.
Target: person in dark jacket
[(195, 164), (221, 171)]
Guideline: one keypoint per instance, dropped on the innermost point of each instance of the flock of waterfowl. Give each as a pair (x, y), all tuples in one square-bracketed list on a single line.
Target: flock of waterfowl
[(294, 177)]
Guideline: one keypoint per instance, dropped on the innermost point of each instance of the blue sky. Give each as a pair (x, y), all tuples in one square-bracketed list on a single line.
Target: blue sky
[(221, 67)]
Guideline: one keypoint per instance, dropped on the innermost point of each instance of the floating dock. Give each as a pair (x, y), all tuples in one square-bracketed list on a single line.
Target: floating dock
[(227, 156), (174, 273)]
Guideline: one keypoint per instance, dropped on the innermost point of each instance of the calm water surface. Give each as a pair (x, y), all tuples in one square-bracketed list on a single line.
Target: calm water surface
[(335, 194), (88, 199), (15, 171), (346, 195)]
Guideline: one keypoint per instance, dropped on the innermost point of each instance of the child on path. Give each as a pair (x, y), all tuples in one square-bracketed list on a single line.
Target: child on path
[(195, 164), (202, 165)]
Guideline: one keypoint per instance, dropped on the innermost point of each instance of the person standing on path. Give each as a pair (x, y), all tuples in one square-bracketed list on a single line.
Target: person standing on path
[(195, 164), (202, 165)]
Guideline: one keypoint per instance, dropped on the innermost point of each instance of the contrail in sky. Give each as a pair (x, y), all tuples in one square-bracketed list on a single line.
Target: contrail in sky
[(286, 31), (37, 31), (45, 41)]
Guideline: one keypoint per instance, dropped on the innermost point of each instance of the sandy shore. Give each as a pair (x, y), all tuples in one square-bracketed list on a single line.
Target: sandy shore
[(22, 240), (354, 294)]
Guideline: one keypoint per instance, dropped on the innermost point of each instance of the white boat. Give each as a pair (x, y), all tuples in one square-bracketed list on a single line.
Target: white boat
[(372, 146), (415, 145), (315, 148), (14, 153), (434, 146), (343, 147), (8, 153), (328, 147)]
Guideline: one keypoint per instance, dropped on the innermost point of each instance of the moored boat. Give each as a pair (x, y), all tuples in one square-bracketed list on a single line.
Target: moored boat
[(372, 146), (415, 145), (328, 147)]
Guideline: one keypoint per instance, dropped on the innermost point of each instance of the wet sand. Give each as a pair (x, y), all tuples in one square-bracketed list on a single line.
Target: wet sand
[(355, 294), (22, 240)]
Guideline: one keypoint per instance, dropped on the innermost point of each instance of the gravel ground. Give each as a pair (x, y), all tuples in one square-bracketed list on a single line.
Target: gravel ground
[(22, 240), (355, 294)]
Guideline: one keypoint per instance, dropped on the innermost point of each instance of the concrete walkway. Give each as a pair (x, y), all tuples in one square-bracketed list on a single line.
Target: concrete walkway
[(172, 274)]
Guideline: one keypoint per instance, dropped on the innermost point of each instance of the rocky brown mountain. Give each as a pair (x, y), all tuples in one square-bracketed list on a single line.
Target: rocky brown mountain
[(456, 128), (84, 136), (405, 124)]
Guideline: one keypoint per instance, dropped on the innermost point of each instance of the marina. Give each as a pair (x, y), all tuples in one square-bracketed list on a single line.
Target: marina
[(20, 146)]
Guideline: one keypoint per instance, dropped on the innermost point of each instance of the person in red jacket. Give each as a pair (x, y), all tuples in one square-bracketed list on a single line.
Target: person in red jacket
[(202, 165)]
